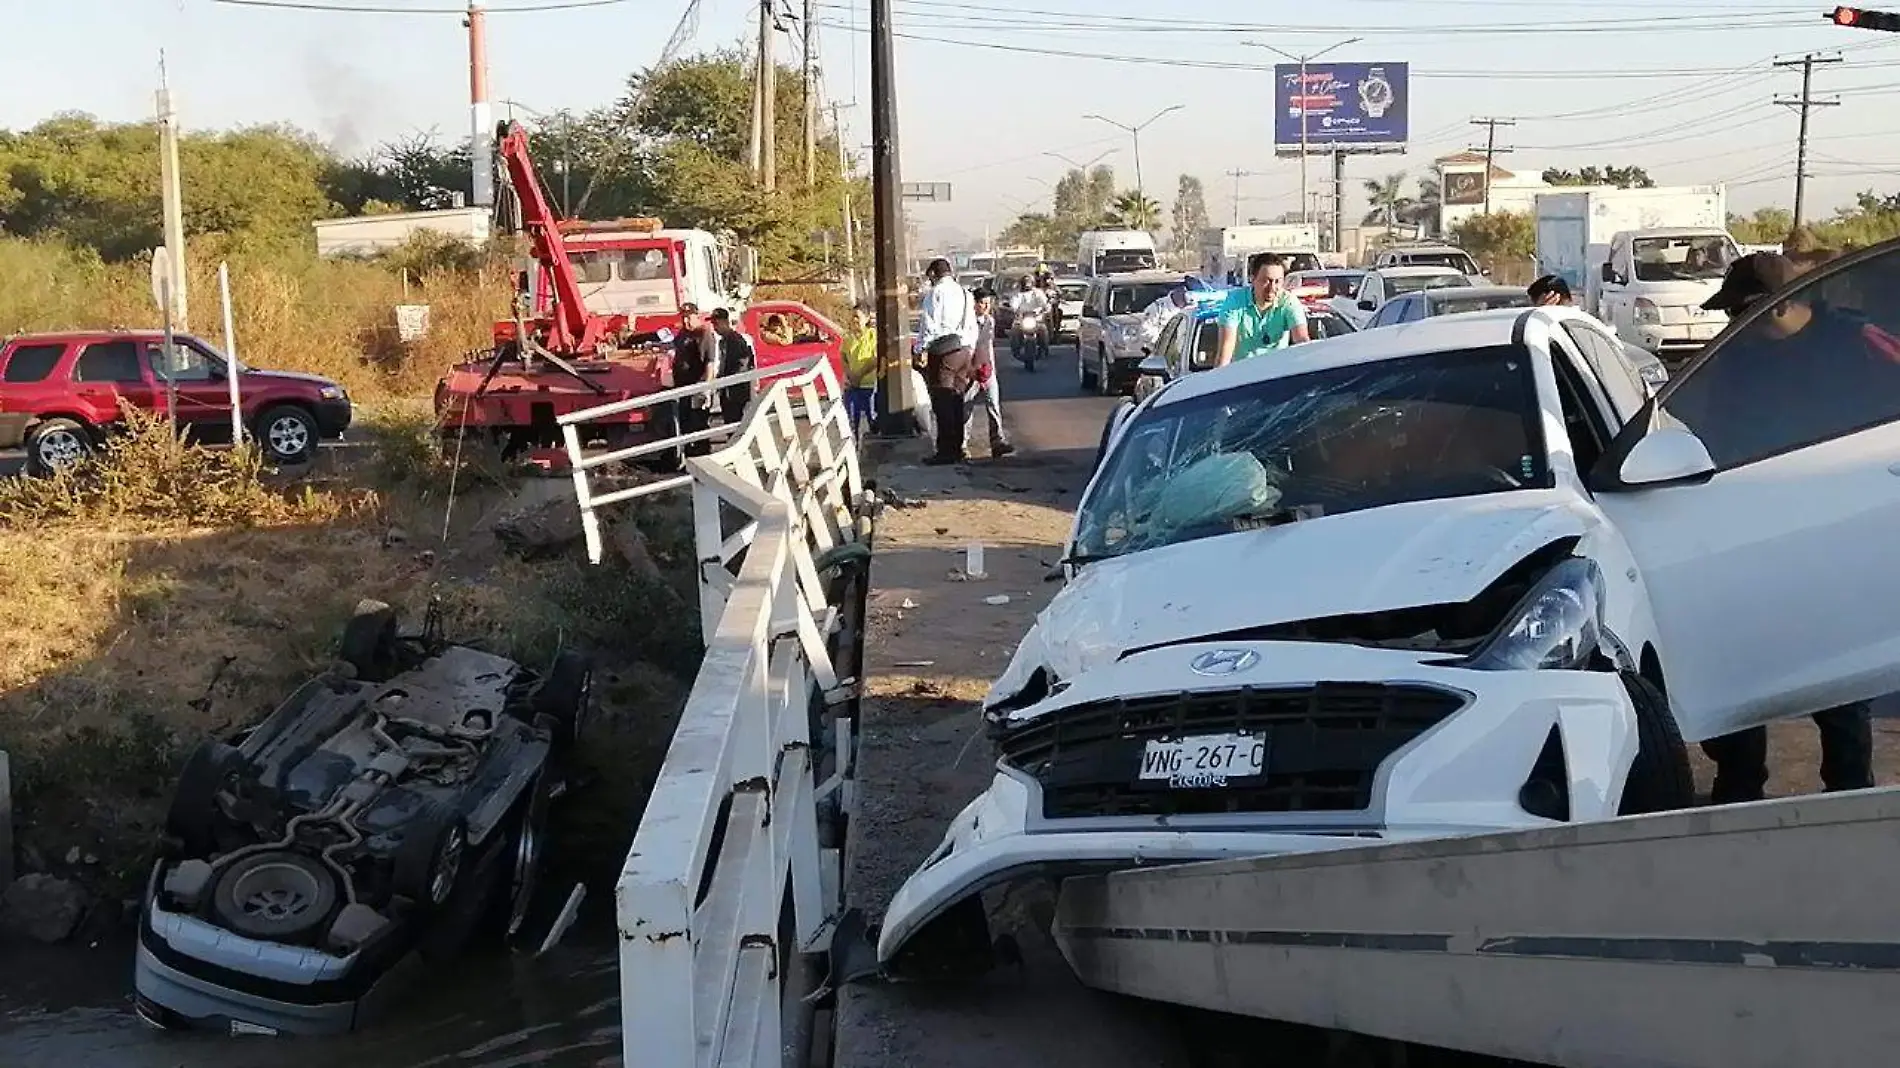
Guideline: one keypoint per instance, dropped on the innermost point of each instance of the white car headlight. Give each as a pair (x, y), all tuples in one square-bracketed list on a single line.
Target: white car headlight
[(1647, 313), (331, 392), (1557, 625)]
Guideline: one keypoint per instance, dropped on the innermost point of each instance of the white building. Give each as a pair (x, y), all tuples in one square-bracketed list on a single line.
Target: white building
[(1462, 192), (365, 235)]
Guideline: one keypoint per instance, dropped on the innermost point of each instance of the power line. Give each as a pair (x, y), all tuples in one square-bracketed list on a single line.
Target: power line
[(1804, 103), (1491, 152)]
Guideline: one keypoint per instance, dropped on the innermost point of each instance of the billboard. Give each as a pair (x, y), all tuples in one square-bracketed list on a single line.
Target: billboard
[(1344, 104), (1463, 187)]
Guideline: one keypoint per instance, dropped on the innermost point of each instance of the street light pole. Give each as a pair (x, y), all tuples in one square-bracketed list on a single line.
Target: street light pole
[(1135, 132), (1305, 213), (1083, 167)]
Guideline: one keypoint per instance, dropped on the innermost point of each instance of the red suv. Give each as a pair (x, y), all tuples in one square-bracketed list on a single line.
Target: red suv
[(60, 393)]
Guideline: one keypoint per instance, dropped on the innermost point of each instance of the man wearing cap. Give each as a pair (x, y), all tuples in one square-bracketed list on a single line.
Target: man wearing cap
[(695, 359), (1156, 317), (1797, 357)]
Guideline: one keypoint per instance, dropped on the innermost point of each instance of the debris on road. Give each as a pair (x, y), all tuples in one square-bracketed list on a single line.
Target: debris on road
[(997, 599), (41, 908)]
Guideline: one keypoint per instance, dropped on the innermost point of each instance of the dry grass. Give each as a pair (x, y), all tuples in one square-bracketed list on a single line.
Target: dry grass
[(168, 593)]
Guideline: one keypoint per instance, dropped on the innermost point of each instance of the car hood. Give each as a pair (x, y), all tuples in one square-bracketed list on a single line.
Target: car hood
[(1379, 559), (289, 376)]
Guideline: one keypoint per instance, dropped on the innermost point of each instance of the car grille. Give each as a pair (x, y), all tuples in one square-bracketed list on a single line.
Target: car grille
[(1324, 745)]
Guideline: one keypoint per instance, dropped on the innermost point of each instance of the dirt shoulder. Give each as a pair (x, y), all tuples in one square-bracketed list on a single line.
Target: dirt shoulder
[(933, 644)]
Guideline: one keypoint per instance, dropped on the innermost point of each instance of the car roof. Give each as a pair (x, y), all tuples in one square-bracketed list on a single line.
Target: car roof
[(1413, 271), (1143, 277), (1468, 292), (1327, 272), (1482, 329), (130, 334), (1421, 246)]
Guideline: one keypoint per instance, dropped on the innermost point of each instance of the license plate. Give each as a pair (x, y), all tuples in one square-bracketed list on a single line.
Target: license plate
[(1204, 760)]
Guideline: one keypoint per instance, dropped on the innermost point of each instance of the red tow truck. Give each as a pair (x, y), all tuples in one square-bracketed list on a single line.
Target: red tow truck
[(595, 311)]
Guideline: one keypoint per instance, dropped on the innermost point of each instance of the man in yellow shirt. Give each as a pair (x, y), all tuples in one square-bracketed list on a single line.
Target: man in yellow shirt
[(860, 370)]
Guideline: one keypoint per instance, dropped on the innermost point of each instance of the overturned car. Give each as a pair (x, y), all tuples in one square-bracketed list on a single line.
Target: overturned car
[(379, 820), (1362, 590)]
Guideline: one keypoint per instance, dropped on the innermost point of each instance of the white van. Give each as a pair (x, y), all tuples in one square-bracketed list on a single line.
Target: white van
[(1101, 252)]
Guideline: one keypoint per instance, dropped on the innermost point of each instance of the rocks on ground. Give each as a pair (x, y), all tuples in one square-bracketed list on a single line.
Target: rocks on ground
[(542, 519), (41, 908)]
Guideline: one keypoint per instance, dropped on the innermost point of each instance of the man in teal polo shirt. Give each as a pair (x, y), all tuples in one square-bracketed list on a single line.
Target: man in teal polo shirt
[(1263, 316)]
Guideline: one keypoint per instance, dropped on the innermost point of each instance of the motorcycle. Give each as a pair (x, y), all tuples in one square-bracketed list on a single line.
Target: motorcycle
[(1029, 338)]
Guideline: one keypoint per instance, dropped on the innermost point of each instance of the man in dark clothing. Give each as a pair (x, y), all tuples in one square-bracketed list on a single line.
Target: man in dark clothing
[(695, 359), (735, 357), (1798, 357)]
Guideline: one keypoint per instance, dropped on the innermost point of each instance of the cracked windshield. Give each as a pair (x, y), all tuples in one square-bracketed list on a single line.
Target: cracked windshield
[(1288, 449)]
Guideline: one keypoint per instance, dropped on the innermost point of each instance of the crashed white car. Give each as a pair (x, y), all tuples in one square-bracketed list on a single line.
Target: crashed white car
[(1460, 575)]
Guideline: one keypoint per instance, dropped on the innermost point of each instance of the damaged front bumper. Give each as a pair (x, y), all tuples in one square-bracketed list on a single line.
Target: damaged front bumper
[(1357, 743)]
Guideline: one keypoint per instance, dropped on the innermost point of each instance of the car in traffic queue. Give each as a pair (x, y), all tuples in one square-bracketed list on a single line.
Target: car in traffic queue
[(1073, 289), (1108, 335), (1455, 576), (1427, 254), (62, 396), (1384, 283), (1339, 281)]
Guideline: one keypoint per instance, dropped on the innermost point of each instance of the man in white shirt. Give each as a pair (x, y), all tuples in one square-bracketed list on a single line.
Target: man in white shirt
[(946, 336), (1156, 317), (985, 394), (1029, 299)]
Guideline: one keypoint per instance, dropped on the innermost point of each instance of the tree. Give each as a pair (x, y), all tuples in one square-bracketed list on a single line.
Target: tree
[(1423, 211), (1766, 227), (1386, 196), (1498, 240), (1620, 177), (1133, 211), (1190, 214)]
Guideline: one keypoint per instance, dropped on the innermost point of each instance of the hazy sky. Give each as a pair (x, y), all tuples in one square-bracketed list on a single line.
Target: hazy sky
[(1683, 88)]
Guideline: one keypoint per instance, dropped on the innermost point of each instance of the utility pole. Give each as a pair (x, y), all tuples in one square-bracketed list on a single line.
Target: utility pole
[(481, 119), (810, 100), (172, 199), (768, 100), (1491, 151), (1339, 198), (1805, 102), (1237, 175), (887, 222), (849, 226)]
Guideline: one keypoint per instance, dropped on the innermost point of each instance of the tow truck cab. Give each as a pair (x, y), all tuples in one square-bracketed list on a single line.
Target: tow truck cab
[(638, 269)]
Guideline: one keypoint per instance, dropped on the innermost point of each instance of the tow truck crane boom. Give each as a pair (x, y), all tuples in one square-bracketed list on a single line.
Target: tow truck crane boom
[(571, 329)]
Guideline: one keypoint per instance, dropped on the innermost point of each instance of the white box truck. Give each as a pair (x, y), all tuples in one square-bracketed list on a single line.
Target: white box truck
[(1224, 250), (1100, 252), (367, 235), (1642, 260)]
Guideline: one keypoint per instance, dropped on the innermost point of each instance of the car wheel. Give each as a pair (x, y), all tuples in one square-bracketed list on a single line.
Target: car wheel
[(369, 641), (529, 842), (288, 434), (57, 445), (1084, 382), (563, 697), (276, 895), (194, 799), (1660, 779)]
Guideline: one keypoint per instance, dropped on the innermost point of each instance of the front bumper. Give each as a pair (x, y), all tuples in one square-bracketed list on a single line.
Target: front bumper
[(1676, 336), (1463, 775), (334, 416)]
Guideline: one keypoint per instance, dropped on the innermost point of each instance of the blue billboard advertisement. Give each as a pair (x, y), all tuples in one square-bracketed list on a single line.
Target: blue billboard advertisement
[(1343, 104)]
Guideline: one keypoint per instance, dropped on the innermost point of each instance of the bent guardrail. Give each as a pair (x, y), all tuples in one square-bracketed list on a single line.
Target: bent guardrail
[(734, 816)]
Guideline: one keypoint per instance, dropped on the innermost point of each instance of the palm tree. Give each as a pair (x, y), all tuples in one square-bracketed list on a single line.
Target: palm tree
[(1387, 199), (1423, 211), (1133, 211)]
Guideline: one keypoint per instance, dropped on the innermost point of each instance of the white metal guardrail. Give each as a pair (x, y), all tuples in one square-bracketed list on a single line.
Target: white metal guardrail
[(733, 816)]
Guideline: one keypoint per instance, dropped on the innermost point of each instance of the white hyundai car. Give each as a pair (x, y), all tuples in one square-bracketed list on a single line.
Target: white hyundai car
[(1459, 575)]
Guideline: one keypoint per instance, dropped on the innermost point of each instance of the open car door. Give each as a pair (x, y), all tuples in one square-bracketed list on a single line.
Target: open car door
[(786, 331), (1760, 494)]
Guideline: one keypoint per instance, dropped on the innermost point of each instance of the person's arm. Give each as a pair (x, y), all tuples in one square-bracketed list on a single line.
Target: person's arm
[(930, 321), (1229, 337), (1299, 331)]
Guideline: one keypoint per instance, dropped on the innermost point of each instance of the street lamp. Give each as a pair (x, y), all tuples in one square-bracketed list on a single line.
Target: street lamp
[(1303, 61), (1135, 132)]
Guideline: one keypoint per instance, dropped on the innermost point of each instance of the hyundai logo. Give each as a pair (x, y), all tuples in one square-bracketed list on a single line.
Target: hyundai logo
[(1224, 661)]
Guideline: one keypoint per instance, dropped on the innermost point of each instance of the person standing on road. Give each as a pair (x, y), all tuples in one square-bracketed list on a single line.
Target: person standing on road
[(1156, 317), (736, 356), (695, 359), (985, 394), (1548, 291), (946, 336), (1812, 352), (860, 371), (1262, 317)]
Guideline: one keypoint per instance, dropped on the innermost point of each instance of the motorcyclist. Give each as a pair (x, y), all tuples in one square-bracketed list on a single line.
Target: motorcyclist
[(1046, 281), (1029, 300)]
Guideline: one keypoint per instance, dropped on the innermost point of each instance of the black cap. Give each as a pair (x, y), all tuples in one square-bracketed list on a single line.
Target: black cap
[(1751, 278)]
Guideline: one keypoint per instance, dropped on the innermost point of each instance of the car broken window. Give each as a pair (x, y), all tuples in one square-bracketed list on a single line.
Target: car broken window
[(1437, 425)]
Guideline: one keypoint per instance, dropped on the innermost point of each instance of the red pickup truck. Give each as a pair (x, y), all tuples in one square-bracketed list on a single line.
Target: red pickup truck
[(60, 394)]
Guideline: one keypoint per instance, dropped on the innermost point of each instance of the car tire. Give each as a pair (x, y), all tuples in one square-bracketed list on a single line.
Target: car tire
[(433, 858), (276, 895), (563, 697), (56, 445), (1084, 382), (188, 820), (368, 644), (287, 434), (1102, 374), (1660, 779)]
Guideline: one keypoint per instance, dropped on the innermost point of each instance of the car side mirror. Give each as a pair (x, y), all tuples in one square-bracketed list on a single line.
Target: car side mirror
[(1365, 305), (1609, 273), (1153, 365), (1666, 455)]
